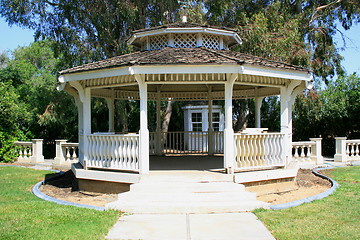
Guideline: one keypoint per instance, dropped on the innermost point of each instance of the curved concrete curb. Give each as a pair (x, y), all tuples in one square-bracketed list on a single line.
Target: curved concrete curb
[(36, 191), (322, 195)]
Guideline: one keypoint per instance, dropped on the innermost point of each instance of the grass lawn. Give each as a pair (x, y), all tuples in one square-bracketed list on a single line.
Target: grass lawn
[(335, 217), (24, 216)]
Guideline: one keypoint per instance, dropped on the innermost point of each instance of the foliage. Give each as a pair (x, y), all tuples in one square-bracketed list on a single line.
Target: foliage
[(31, 107), (24, 216), (329, 113), (334, 217)]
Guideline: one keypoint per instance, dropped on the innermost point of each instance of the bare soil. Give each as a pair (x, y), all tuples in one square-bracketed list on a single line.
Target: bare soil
[(65, 188), (308, 185)]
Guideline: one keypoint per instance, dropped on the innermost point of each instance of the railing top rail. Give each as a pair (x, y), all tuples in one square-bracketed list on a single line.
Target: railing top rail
[(70, 144), (22, 143), (353, 141), (258, 134), (114, 135), (303, 143)]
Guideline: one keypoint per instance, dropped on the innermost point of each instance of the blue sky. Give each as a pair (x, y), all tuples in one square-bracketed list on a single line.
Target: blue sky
[(12, 37)]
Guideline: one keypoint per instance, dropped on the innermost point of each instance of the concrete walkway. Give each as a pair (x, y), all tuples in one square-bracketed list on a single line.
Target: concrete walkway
[(222, 226)]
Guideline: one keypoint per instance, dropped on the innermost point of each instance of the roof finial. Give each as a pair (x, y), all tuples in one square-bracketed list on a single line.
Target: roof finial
[(184, 10)]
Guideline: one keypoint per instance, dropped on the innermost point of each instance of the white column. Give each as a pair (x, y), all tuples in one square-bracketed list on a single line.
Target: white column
[(229, 153), (316, 151), (340, 144), (86, 124), (158, 148), (37, 151), (60, 153), (111, 108), (144, 131), (258, 103), (284, 123), (210, 124)]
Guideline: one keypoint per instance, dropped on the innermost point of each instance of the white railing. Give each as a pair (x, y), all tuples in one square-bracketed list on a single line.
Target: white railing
[(187, 142), (347, 150), (24, 150), (31, 152), (308, 152), (259, 150), (66, 153), (120, 151)]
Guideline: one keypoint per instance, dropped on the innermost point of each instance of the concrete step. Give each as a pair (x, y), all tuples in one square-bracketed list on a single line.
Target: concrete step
[(169, 187), (187, 197), (186, 207)]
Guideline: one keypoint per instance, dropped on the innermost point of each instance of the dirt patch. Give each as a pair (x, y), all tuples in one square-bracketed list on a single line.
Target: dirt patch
[(307, 185), (65, 188)]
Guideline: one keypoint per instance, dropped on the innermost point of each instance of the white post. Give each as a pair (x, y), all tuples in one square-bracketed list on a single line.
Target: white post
[(340, 155), (229, 143), (144, 131), (316, 151), (86, 124), (258, 103), (37, 151), (158, 148), (111, 105), (60, 154), (210, 125), (284, 123)]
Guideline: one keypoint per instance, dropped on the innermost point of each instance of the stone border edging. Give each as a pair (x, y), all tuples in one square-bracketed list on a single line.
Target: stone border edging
[(36, 191), (319, 196)]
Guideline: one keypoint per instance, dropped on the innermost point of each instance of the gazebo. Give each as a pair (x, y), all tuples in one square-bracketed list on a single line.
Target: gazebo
[(184, 61)]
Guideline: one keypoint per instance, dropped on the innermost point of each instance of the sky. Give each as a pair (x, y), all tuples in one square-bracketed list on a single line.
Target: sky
[(12, 37)]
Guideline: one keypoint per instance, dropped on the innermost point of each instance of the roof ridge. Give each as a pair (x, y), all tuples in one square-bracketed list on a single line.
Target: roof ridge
[(223, 55)]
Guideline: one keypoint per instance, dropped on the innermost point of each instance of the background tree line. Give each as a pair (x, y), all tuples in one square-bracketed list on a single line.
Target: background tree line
[(69, 33)]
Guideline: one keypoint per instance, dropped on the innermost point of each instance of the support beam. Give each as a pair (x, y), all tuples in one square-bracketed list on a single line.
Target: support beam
[(158, 147), (229, 154), (84, 143), (210, 123), (144, 131), (286, 96)]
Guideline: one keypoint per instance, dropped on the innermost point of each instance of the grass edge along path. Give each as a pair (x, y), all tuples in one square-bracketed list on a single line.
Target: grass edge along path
[(24, 216), (334, 217)]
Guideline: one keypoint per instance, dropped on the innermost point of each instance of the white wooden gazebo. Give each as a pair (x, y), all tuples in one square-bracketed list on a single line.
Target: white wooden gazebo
[(183, 61)]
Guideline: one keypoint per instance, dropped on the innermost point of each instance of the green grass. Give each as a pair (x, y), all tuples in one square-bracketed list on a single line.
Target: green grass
[(24, 216), (334, 217)]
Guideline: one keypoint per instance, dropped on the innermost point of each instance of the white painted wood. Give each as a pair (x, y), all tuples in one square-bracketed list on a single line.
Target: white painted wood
[(84, 145), (258, 150), (210, 123), (143, 132), (228, 131), (114, 151)]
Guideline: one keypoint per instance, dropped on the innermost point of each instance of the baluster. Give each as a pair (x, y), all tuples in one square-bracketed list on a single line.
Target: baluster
[(125, 155), (302, 152), (347, 149), (74, 156), (256, 151), (309, 153), (296, 155), (133, 152), (67, 153), (121, 152), (357, 150), (137, 151)]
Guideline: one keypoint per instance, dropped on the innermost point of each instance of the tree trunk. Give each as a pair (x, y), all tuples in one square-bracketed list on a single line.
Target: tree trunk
[(166, 121)]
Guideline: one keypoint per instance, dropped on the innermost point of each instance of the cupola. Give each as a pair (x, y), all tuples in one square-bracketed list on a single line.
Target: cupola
[(184, 35)]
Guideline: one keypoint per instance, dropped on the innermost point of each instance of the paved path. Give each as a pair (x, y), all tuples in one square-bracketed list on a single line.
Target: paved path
[(224, 226)]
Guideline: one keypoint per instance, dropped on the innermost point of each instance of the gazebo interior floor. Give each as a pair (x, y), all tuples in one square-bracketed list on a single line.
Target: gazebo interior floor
[(187, 162)]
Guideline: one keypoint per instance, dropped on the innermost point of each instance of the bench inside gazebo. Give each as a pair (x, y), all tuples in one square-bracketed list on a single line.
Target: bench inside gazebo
[(181, 62)]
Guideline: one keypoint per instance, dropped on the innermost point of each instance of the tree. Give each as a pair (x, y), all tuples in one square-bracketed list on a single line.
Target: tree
[(329, 113)]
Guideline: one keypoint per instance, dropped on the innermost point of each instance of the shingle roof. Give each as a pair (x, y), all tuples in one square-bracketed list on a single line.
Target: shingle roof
[(187, 56), (183, 25)]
